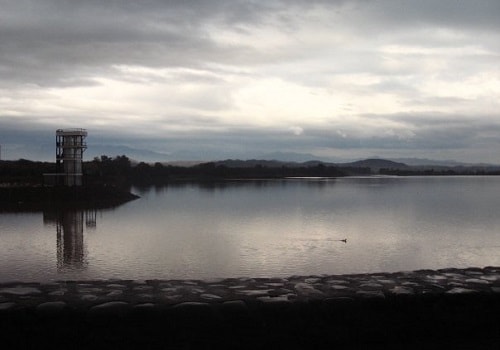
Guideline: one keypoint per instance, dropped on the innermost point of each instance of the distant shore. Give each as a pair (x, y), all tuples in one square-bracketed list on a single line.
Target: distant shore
[(426, 308)]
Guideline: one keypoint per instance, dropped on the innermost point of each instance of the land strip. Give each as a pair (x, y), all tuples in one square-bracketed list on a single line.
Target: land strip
[(38, 198)]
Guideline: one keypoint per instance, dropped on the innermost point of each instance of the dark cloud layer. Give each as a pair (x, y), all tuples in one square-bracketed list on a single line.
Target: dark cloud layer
[(57, 42), (468, 139)]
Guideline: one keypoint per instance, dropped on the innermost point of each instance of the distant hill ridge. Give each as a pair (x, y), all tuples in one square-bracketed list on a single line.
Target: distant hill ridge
[(367, 163), (374, 164)]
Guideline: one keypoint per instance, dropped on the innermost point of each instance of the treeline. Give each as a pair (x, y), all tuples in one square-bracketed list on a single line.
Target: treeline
[(121, 171), (24, 171), (472, 171)]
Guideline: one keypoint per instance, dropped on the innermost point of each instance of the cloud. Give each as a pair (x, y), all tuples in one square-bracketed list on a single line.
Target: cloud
[(47, 39), (244, 76), (296, 130), (393, 135)]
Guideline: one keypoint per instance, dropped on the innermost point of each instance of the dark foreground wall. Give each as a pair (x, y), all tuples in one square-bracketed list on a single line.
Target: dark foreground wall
[(456, 309)]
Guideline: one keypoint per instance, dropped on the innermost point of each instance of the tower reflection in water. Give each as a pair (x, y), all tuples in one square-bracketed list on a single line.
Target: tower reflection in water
[(71, 249)]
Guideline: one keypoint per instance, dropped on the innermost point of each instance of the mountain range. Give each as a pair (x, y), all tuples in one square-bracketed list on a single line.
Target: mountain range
[(270, 159), (374, 166)]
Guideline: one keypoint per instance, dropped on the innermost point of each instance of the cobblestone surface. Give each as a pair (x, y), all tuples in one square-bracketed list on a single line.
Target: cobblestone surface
[(116, 295), (449, 308)]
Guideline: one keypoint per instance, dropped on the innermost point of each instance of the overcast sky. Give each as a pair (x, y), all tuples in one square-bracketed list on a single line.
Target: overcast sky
[(214, 79)]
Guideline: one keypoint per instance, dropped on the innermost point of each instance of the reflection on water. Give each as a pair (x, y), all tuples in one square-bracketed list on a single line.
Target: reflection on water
[(262, 229), (71, 249)]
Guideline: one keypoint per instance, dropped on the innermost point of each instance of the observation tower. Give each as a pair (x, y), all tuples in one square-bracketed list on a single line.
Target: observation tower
[(70, 145)]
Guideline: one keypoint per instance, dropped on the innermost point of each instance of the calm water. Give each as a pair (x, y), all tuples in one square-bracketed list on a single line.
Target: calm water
[(263, 228)]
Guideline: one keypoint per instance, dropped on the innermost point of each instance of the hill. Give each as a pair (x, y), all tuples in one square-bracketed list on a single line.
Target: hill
[(375, 164)]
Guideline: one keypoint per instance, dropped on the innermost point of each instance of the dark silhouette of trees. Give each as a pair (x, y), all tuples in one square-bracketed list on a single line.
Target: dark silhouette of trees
[(441, 172), (107, 170), (120, 171), (24, 171)]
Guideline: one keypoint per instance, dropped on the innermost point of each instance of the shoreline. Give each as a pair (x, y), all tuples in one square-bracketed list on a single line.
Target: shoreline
[(39, 198), (446, 306)]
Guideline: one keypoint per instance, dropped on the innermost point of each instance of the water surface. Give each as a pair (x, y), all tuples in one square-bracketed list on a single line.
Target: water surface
[(263, 229)]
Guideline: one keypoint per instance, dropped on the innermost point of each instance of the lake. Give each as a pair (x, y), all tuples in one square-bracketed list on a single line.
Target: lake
[(269, 228)]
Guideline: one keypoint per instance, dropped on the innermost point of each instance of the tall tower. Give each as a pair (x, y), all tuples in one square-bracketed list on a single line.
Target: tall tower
[(70, 144)]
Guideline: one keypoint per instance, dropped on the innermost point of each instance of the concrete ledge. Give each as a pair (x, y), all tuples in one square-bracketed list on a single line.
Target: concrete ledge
[(449, 307)]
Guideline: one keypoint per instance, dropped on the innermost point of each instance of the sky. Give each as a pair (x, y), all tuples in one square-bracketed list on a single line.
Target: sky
[(215, 79)]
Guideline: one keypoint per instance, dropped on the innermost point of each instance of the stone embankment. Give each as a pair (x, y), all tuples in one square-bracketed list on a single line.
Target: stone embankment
[(450, 307)]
